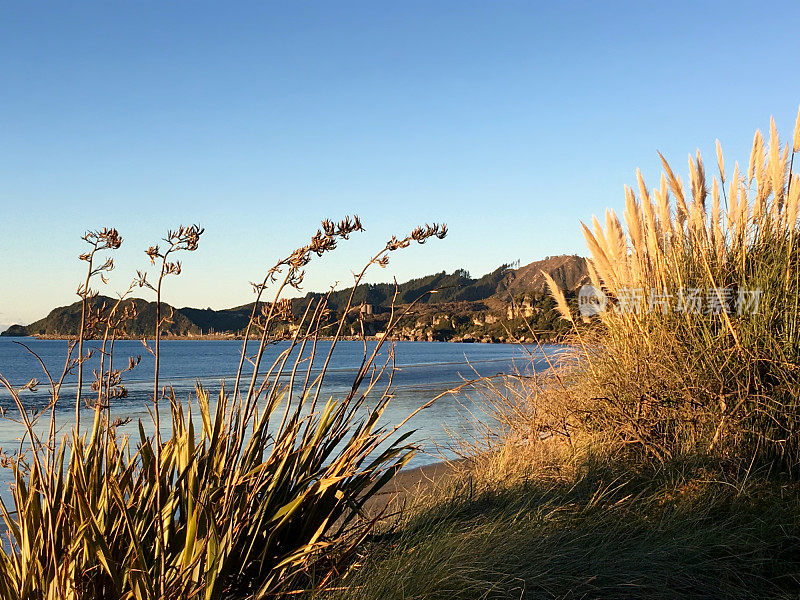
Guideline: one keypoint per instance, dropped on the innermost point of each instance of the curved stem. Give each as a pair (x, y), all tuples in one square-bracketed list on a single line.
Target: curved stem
[(84, 294)]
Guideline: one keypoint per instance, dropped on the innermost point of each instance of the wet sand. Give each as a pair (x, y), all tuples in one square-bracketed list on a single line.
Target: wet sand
[(410, 483)]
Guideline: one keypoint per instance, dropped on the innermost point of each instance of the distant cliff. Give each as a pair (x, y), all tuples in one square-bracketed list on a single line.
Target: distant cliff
[(459, 307), (16, 330), (66, 320)]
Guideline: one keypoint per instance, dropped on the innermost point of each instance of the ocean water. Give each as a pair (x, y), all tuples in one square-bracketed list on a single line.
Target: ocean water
[(422, 370)]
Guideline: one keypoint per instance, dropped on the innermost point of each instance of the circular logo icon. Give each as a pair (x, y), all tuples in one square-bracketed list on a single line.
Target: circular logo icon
[(591, 300)]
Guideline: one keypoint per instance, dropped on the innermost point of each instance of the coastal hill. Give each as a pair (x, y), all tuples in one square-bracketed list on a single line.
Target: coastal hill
[(449, 306)]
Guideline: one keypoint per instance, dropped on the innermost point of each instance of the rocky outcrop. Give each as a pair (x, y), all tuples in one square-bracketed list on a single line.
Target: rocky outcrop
[(568, 271), (15, 331)]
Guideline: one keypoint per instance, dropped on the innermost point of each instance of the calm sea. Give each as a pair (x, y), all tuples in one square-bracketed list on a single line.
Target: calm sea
[(423, 370)]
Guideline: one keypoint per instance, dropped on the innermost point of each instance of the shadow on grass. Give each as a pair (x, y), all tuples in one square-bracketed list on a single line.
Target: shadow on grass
[(605, 531)]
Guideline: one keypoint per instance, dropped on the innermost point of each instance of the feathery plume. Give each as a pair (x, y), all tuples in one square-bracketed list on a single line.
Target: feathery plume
[(600, 257), (635, 222), (632, 216), (754, 152), (743, 213), (643, 193), (675, 184), (733, 198), (662, 202), (651, 227), (698, 181), (616, 237), (762, 182), (716, 229), (558, 296), (776, 166), (594, 277), (796, 139), (792, 202), (600, 237), (619, 245)]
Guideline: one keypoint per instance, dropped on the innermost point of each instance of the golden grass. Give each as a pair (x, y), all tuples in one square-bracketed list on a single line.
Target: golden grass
[(667, 378), (652, 462)]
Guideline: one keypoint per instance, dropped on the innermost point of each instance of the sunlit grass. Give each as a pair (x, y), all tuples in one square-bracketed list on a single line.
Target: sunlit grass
[(258, 498)]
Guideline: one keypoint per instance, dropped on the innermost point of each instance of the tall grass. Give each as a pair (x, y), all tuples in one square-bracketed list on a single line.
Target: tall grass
[(559, 520), (669, 376), (651, 461), (258, 498)]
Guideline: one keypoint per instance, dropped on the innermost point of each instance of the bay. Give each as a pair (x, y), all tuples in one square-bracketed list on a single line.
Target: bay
[(422, 370)]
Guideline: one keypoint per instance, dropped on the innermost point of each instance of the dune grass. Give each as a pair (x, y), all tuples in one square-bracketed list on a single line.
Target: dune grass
[(587, 526), (661, 459), (700, 348)]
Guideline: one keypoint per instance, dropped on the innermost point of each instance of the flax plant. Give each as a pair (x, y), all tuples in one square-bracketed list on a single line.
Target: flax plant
[(700, 348), (255, 494)]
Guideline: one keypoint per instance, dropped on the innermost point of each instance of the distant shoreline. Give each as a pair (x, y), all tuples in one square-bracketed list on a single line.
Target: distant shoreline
[(214, 337), (221, 338), (503, 306)]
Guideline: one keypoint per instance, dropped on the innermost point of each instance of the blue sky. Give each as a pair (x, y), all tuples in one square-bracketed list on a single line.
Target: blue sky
[(510, 121)]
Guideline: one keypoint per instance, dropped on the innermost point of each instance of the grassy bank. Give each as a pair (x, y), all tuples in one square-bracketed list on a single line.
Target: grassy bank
[(588, 525), (662, 459)]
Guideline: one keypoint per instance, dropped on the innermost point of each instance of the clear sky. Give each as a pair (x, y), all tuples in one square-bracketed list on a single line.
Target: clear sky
[(510, 121)]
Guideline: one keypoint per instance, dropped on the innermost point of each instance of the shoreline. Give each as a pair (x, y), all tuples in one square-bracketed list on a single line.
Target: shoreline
[(220, 338), (414, 482)]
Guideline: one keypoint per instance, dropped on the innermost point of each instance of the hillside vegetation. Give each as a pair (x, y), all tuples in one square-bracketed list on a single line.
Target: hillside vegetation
[(503, 304)]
